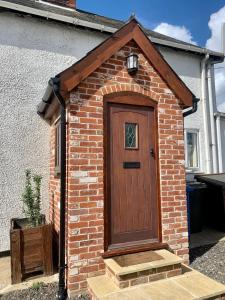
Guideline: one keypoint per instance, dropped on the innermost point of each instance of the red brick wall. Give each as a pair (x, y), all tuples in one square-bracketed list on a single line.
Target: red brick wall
[(85, 163), (54, 194), (54, 185)]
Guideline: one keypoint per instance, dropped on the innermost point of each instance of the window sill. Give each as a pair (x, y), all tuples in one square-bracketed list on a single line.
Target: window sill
[(192, 170)]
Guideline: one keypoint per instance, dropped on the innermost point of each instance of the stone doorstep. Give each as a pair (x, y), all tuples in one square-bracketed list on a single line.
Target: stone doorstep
[(168, 259), (191, 285), (140, 277), (167, 266)]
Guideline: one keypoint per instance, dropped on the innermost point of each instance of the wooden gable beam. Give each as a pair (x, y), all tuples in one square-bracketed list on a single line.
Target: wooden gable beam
[(72, 76), (153, 55)]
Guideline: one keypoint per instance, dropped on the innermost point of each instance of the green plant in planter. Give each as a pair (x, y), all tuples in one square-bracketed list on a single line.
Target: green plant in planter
[(31, 198)]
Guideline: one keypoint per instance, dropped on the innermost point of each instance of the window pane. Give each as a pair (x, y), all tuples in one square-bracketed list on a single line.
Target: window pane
[(192, 150), (130, 135)]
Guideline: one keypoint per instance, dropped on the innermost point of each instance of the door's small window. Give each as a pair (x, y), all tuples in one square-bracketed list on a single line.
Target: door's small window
[(131, 135)]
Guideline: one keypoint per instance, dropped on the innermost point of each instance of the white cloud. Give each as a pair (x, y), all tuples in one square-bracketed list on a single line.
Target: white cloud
[(221, 107), (215, 43), (220, 84), (215, 25), (178, 32)]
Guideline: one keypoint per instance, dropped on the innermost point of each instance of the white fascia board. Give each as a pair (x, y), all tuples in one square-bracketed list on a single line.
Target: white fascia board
[(185, 47), (57, 17), (54, 5)]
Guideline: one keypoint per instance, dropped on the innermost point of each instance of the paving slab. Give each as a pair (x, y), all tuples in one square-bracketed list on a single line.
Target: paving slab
[(166, 289), (5, 272), (102, 285), (135, 294), (5, 278), (200, 285), (207, 236), (189, 286)]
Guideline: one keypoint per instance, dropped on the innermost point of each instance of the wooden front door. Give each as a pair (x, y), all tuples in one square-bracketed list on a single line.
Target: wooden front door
[(133, 212)]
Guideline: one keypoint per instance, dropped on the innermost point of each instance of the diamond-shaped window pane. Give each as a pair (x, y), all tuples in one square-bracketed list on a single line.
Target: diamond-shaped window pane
[(130, 135)]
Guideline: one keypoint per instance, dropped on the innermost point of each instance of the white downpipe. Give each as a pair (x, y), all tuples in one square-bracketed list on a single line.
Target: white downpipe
[(206, 113), (220, 151), (223, 38), (212, 102)]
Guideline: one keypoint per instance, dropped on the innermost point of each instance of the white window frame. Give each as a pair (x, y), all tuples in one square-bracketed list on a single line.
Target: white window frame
[(196, 131)]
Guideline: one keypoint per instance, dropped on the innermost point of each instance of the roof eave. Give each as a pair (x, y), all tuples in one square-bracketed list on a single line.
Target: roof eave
[(46, 101), (73, 75), (193, 48)]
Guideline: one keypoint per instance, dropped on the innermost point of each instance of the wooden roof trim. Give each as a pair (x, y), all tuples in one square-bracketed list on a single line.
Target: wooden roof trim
[(166, 72), (72, 76)]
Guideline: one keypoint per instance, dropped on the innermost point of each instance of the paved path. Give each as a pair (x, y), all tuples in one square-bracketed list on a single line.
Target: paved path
[(5, 278)]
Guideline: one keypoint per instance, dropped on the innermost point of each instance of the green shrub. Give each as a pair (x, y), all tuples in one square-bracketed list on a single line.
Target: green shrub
[(31, 198), (37, 285)]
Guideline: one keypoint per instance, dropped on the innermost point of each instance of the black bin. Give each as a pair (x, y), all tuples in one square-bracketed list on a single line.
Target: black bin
[(195, 197), (214, 208)]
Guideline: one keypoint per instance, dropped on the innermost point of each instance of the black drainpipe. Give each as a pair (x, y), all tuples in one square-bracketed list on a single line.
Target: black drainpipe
[(55, 83), (193, 109)]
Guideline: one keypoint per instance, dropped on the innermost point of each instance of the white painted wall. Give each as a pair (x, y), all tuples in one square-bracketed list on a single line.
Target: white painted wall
[(31, 51), (188, 67), (222, 128)]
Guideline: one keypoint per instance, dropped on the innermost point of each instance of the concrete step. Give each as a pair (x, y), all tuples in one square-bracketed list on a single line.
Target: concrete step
[(101, 286), (191, 285), (133, 269)]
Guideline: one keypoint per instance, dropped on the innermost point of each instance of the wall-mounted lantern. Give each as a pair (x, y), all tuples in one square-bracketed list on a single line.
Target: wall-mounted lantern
[(132, 63)]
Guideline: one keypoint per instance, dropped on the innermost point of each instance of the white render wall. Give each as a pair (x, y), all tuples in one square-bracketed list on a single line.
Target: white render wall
[(32, 50), (222, 128), (188, 67)]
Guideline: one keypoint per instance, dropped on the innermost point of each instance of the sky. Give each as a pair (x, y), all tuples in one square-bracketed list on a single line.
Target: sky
[(195, 21)]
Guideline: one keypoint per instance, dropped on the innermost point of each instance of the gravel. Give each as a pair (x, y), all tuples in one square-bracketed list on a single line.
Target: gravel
[(39, 292), (210, 260)]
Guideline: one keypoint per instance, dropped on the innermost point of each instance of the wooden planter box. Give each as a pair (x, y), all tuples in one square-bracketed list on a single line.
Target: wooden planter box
[(31, 249)]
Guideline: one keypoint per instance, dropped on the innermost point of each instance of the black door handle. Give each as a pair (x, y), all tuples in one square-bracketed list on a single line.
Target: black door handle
[(152, 152)]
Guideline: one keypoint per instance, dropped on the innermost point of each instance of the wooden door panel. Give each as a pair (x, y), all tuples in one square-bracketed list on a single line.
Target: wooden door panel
[(133, 190)]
